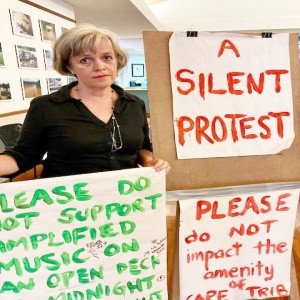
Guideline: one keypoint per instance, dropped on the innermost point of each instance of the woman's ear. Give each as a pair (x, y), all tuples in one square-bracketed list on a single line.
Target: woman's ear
[(70, 70)]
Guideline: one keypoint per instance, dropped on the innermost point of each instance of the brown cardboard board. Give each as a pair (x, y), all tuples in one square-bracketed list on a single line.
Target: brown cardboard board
[(211, 172)]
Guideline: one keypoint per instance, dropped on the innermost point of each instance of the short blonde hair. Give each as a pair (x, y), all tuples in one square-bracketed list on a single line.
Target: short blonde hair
[(76, 40)]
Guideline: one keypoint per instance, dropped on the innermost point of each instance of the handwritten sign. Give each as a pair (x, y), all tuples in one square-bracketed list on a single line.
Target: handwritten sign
[(232, 94), (237, 246), (92, 236)]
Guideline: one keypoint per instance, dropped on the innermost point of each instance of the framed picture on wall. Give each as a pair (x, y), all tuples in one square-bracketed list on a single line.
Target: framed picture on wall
[(53, 84), (71, 79), (48, 55), (48, 32), (4, 89), (21, 24), (2, 64), (27, 57), (31, 87), (137, 70)]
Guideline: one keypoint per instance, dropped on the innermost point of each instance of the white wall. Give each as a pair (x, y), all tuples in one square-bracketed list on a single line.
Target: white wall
[(135, 50), (58, 6), (11, 72), (125, 75)]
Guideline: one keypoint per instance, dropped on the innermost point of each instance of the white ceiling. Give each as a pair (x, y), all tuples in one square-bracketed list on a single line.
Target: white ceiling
[(129, 18), (120, 16)]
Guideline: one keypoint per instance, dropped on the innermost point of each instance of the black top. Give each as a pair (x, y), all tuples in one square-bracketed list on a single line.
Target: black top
[(75, 140)]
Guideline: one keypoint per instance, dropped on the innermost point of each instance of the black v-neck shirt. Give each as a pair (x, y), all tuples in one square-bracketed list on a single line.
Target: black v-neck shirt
[(74, 140)]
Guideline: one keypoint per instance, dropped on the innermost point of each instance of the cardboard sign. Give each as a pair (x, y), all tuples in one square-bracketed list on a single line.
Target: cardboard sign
[(237, 246), (91, 236), (232, 94)]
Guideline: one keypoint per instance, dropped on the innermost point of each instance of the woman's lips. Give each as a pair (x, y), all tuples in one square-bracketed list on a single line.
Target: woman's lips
[(100, 76)]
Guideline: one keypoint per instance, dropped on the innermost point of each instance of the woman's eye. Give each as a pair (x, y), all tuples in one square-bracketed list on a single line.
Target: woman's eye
[(107, 57), (84, 60)]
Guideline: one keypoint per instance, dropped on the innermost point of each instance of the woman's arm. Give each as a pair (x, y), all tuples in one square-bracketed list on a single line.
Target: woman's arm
[(8, 165), (146, 160), (145, 156)]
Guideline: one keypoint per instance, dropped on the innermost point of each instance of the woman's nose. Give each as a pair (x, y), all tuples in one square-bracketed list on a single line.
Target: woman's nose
[(99, 64)]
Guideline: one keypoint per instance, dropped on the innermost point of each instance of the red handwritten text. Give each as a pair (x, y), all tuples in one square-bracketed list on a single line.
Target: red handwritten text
[(233, 79), (257, 269), (233, 126), (206, 256), (269, 247), (240, 207), (217, 295), (278, 290)]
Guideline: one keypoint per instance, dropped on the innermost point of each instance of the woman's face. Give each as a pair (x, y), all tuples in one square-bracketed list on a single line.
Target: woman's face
[(95, 70)]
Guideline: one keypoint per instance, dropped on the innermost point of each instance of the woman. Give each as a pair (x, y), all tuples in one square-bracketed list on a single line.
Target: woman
[(90, 125)]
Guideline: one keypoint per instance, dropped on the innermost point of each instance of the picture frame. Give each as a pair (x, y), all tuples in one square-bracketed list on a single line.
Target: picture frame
[(63, 29), (27, 57), (48, 55), (2, 64), (54, 84), (31, 87), (137, 70), (21, 24), (5, 93), (71, 79), (48, 31)]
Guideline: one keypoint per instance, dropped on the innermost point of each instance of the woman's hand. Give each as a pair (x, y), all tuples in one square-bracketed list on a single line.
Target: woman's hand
[(158, 165), (147, 160)]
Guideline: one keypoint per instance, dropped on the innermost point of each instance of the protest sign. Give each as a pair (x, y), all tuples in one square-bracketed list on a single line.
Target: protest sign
[(237, 246), (90, 236), (232, 94)]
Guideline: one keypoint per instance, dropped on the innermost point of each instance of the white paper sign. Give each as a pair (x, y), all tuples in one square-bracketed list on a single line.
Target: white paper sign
[(237, 246), (232, 94), (92, 236)]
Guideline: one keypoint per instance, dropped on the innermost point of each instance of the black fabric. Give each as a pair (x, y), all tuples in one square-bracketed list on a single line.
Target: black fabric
[(9, 134), (76, 141), (2, 146)]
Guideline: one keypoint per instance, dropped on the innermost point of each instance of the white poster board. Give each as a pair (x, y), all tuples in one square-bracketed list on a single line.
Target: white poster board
[(237, 246), (232, 94), (91, 236)]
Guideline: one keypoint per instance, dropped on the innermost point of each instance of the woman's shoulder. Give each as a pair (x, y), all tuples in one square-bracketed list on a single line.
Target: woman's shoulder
[(61, 95), (125, 94)]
